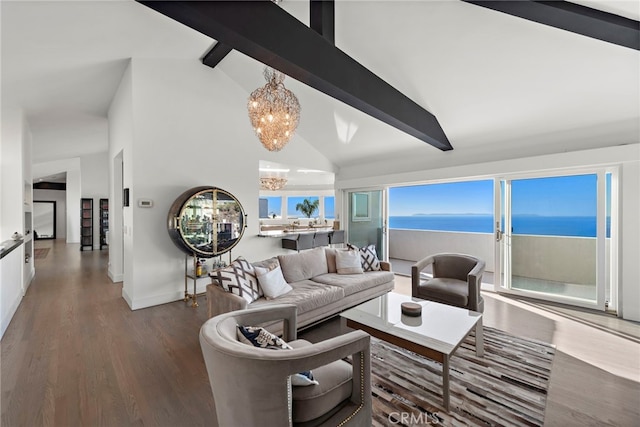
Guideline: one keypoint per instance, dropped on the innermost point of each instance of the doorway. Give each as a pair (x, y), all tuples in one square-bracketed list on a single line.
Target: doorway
[(555, 235), (367, 219)]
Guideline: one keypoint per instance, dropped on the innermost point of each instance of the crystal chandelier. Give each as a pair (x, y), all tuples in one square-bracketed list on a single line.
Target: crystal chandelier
[(272, 183), (274, 111)]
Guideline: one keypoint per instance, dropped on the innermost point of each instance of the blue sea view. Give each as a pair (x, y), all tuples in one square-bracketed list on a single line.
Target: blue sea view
[(577, 226)]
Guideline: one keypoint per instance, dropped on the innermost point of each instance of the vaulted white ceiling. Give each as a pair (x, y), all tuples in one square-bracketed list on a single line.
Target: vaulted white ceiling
[(495, 82)]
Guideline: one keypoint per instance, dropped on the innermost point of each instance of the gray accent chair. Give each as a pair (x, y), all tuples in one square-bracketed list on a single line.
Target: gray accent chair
[(251, 386), (456, 280)]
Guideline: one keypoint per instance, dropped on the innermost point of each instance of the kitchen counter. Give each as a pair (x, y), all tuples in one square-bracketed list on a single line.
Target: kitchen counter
[(292, 232), (9, 245)]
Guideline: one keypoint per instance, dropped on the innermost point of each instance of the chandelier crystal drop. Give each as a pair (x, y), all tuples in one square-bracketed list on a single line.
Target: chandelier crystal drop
[(272, 183), (274, 111)]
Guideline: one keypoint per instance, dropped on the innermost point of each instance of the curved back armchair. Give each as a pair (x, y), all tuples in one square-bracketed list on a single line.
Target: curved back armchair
[(456, 280), (251, 386)]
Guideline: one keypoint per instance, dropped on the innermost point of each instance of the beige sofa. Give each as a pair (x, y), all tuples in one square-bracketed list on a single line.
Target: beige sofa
[(318, 290)]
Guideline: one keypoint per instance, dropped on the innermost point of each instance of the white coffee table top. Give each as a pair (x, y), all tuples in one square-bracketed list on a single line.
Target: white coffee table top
[(440, 327)]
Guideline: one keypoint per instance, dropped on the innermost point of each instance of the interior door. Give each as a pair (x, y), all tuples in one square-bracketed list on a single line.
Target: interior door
[(553, 237), (367, 219)]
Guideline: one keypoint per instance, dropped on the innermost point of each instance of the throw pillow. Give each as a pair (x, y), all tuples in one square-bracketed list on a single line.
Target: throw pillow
[(368, 256), (260, 337), (239, 278), (272, 282), (348, 262)]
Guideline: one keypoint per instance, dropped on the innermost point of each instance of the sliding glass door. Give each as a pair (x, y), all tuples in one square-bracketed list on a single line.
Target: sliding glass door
[(367, 219), (554, 238)]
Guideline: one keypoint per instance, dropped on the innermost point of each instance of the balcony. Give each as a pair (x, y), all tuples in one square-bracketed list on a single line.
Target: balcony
[(563, 266)]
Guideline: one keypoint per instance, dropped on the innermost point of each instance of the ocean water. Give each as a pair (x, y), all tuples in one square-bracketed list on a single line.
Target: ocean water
[(576, 226)]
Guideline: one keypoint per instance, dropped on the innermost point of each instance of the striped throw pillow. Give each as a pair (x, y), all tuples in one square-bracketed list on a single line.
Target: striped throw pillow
[(368, 257)]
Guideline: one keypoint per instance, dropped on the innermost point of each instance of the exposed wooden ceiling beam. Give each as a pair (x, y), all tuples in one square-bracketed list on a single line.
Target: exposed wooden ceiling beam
[(216, 54), (265, 32), (322, 18), (572, 17)]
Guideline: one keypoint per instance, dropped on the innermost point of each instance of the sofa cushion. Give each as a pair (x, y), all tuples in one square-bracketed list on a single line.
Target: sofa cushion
[(239, 278), (368, 255), (335, 386), (269, 263), (272, 282), (303, 265), (348, 262), (307, 295), (331, 258), (354, 283)]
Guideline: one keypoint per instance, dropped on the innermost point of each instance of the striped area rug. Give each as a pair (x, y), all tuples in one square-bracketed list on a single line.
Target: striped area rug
[(506, 387)]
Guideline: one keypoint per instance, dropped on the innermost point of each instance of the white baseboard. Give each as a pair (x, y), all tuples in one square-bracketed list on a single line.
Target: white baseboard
[(115, 278), (155, 300)]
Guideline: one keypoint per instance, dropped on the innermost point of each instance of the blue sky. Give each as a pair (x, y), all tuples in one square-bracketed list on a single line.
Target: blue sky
[(555, 196), (474, 197)]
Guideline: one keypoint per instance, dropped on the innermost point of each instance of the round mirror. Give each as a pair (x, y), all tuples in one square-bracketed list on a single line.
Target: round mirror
[(206, 221)]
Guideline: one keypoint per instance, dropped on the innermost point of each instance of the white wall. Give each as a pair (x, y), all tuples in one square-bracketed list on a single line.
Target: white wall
[(625, 156), (630, 240), (60, 197), (188, 127), (11, 173), (120, 148)]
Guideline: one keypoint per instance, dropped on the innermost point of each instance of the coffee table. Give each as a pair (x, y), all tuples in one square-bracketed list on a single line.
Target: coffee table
[(436, 334)]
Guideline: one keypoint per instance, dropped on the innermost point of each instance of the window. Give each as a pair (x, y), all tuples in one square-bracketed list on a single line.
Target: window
[(454, 206), (292, 202), (270, 207), (329, 207), (555, 206)]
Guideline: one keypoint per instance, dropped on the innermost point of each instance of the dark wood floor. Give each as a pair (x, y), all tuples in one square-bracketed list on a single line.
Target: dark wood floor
[(76, 355)]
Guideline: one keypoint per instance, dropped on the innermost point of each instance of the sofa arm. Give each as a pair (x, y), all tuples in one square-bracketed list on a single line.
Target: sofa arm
[(385, 265), (220, 301)]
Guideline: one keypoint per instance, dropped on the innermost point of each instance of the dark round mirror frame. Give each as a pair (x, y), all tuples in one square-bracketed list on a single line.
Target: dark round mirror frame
[(207, 249)]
